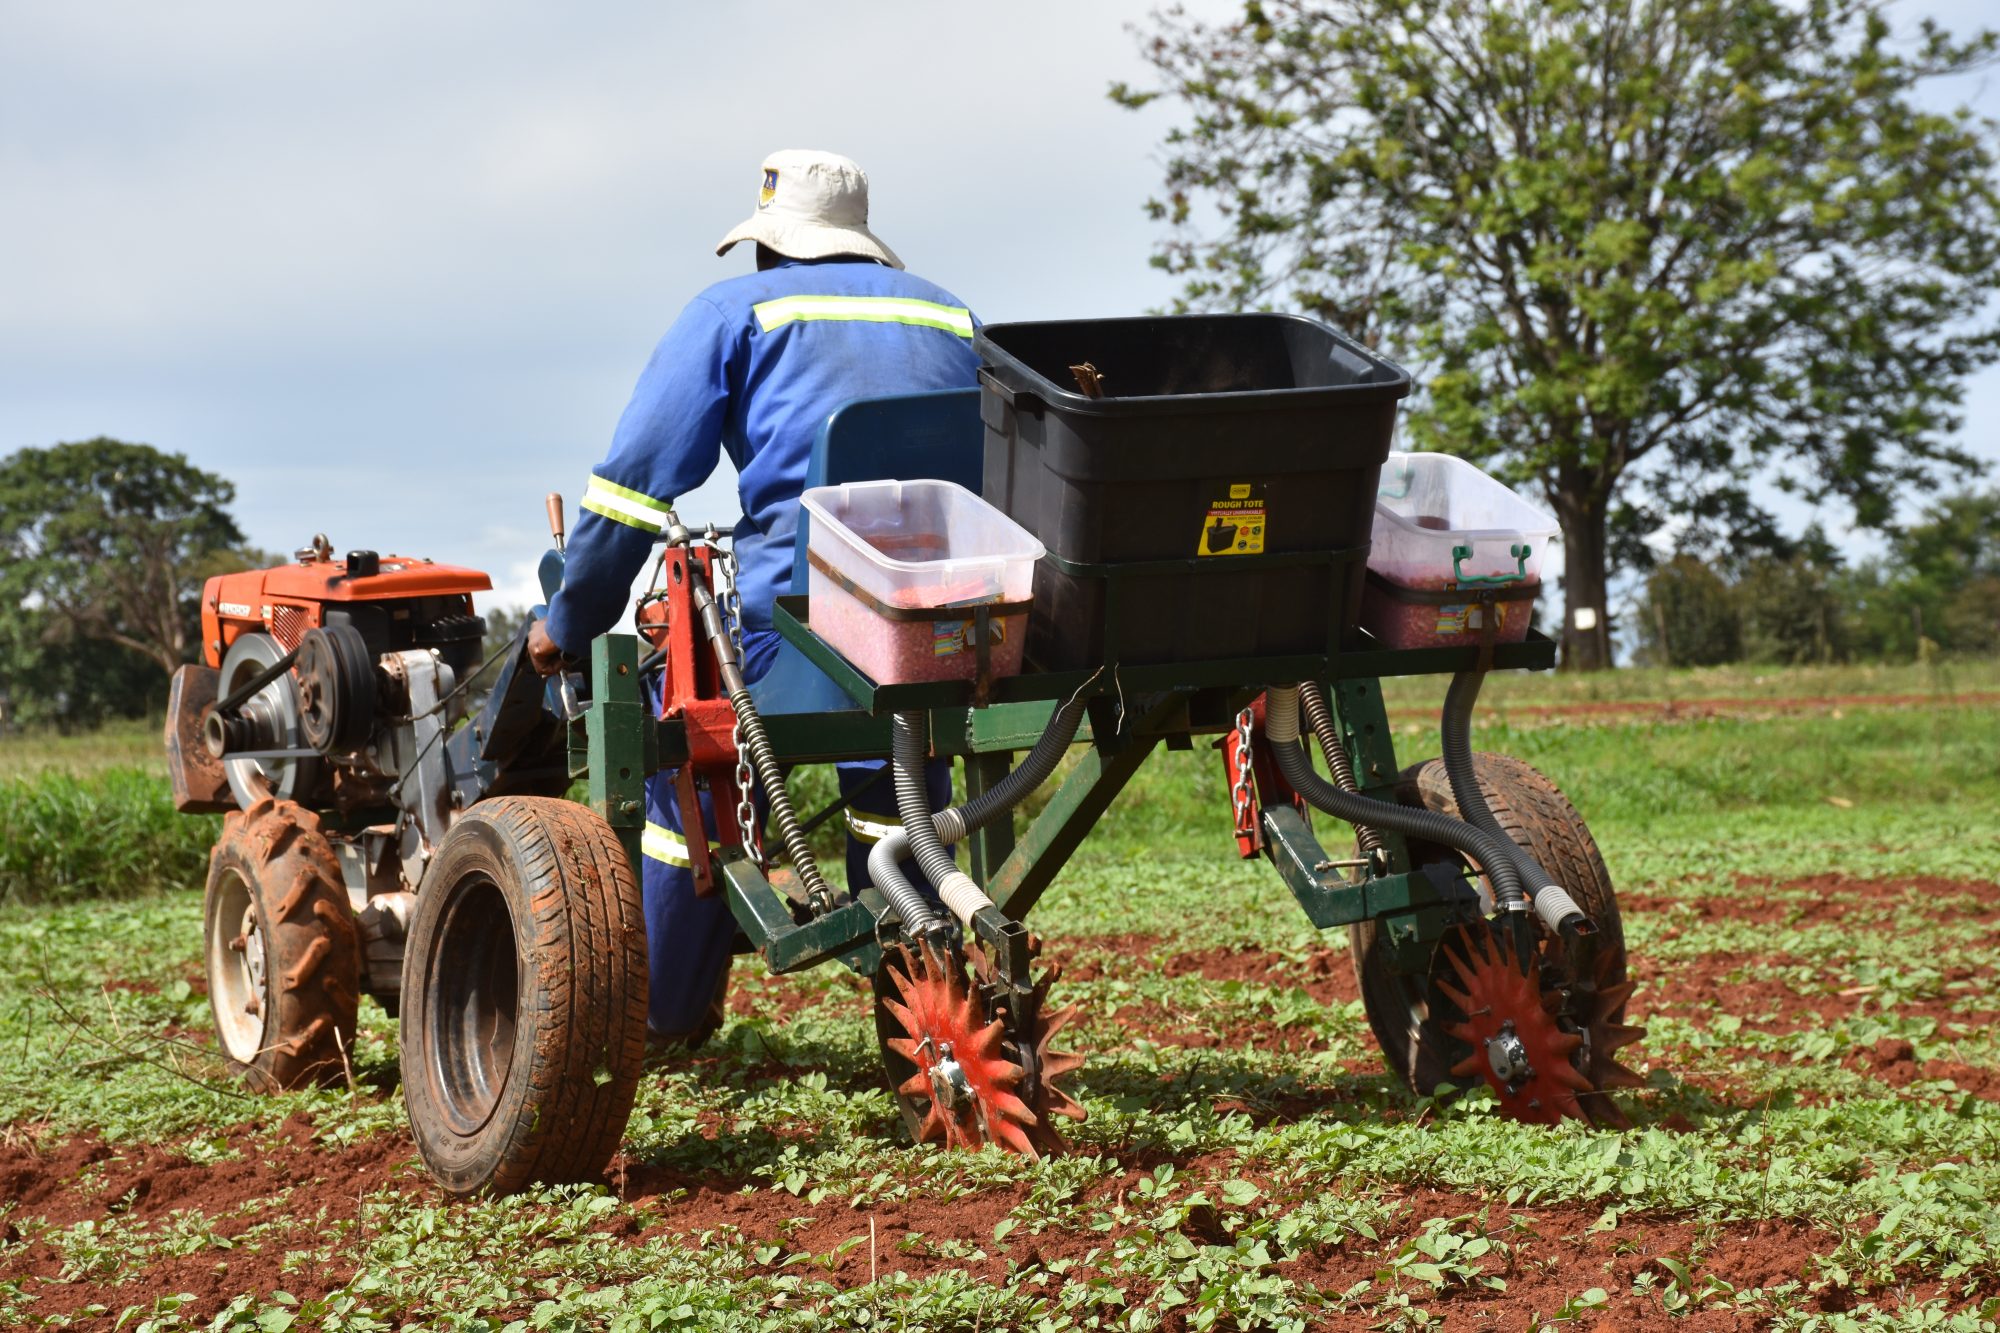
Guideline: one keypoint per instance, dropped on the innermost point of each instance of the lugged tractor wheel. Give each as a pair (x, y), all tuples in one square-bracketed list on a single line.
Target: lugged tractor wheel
[(524, 998), (283, 954), (1408, 1014)]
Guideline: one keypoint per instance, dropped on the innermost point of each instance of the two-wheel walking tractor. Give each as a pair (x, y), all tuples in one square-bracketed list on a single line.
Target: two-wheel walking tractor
[(1198, 511)]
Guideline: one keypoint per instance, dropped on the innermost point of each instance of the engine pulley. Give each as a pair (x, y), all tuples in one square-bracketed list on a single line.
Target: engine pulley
[(336, 676)]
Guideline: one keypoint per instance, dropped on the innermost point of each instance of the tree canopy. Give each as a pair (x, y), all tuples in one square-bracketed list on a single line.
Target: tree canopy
[(106, 543), (1637, 251), (1934, 589)]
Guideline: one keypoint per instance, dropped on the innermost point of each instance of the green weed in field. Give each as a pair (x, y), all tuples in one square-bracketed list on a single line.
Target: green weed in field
[(114, 833)]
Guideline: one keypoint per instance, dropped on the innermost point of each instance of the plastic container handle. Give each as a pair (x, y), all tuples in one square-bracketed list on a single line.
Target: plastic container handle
[(1520, 551), (1020, 400)]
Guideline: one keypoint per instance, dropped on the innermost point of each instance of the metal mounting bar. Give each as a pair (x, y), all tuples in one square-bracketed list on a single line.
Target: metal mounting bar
[(620, 744), (848, 932), (1071, 813), (1328, 899), (1364, 659), (990, 846)]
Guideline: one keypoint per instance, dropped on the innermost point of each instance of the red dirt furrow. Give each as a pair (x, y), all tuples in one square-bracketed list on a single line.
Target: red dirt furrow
[(1545, 1255), (1324, 973), (1833, 899)]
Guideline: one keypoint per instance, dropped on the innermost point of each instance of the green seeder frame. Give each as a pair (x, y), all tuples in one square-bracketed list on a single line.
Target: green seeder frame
[(1131, 711)]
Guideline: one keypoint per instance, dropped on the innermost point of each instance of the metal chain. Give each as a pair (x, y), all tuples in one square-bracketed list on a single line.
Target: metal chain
[(732, 599), (1240, 794), (746, 778), (746, 807)]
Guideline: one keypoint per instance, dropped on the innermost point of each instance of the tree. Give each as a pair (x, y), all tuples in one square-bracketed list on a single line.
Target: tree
[(502, 624), (1688, 617), (1790, 611), (51, 677), (1638, 250), (109, 541), (1940, 580), (1972, 617)]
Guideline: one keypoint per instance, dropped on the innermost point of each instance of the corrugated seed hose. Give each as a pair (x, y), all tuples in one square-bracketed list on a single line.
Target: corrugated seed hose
[(1551, 902), (1319, 717), (928, 835), (758, 750), (1281, 726)]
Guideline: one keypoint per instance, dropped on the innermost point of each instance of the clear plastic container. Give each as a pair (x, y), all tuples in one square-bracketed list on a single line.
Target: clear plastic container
[(916, 545), (1442, 525)]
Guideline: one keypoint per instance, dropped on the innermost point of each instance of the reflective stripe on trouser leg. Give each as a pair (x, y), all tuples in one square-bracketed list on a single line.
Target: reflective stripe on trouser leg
[(687, 938), (875, 805)]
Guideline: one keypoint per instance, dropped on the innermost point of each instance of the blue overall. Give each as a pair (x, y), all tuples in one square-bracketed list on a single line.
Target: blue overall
[(753, 366)]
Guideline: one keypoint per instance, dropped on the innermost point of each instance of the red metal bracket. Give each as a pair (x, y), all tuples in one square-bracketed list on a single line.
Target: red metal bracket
[(693, 832), (691, 690), (1262, 784), (1244, 812)]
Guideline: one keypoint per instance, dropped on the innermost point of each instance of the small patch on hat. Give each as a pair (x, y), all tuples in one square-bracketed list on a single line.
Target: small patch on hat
[(770, 190)]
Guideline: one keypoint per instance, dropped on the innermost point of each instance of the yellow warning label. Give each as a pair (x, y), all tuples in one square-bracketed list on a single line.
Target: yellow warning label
[(1234, 524)]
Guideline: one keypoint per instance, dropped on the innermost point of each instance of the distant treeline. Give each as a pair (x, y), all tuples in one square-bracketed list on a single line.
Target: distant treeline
[(1936, 589), (104, 546)]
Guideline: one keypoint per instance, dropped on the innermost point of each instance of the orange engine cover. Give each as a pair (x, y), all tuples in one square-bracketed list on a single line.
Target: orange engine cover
[(288, 600)]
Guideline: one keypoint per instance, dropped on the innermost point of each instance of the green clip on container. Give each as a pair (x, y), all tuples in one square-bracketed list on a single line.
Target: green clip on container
[(1453, 551)]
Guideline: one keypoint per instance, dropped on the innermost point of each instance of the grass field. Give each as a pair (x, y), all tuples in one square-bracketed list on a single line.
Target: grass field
[(1808, 876)]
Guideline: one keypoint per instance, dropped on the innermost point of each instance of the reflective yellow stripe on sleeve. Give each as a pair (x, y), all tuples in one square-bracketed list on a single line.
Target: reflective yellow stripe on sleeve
[(623, 505), (869, 830), (864, 309), (660, 843)]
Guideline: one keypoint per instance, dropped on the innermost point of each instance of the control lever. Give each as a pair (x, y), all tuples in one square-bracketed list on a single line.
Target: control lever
[(572, 708), (564, 685), (554, 504)]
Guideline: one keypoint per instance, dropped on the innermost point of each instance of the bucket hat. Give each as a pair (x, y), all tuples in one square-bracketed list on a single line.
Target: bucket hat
[(812, 205)]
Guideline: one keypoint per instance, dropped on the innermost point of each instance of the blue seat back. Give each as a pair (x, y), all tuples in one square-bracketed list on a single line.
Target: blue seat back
[(908, 436)]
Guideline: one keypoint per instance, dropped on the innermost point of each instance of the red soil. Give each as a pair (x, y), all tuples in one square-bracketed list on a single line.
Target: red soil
[(1762, 989), (88, 1180), (1325, 974), (1552, 1252), (1833, 899)]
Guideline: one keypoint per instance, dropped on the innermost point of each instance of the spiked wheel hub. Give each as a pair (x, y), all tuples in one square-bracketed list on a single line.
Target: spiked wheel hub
[(1538, 1064), (978, 1076)]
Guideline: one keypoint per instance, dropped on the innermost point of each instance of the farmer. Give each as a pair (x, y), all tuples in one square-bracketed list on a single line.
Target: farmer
[(753, 365)]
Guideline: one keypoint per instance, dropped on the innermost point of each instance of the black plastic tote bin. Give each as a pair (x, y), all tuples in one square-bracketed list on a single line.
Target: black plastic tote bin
[(1224, 444)]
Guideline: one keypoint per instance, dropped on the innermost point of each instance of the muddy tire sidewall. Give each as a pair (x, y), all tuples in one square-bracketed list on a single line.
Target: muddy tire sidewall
[(273, 860), (499, 1100)]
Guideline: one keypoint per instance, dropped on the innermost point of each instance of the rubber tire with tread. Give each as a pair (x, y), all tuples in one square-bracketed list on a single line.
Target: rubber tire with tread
[(1539, 818), (579, 1025), (313, 955)]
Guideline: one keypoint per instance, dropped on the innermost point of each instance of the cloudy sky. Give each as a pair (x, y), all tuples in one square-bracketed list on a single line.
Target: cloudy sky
[(393, 268)]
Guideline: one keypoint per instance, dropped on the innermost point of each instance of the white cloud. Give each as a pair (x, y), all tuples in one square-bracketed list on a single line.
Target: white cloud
[(393, 268)]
